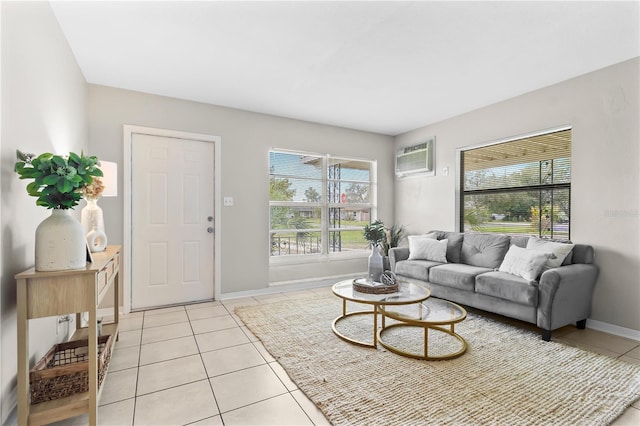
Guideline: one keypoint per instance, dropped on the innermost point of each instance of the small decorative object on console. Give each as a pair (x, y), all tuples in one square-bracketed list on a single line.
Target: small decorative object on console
[(92, 218)]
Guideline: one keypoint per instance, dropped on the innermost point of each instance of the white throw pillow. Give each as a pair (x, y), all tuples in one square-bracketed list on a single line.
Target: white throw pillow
[(524, 263), (423, 247), (559, 251)]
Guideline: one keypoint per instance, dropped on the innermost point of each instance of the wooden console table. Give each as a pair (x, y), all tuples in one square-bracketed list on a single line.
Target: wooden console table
[(45, 294)]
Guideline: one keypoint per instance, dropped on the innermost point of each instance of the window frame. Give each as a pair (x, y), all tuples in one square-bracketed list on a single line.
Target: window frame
[(325, 206), (460, 179)]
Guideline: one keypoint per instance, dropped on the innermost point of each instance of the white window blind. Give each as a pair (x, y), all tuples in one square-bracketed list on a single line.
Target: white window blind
[(518, 187)]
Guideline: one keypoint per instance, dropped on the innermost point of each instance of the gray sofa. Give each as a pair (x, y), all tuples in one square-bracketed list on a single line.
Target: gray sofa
[(471, 276)]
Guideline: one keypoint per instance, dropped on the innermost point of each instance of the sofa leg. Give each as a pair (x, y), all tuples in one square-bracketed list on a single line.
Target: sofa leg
[(546, 335), (582, 324)]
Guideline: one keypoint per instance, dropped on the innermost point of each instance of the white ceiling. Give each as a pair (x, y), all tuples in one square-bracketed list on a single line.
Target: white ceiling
[(385, 67)]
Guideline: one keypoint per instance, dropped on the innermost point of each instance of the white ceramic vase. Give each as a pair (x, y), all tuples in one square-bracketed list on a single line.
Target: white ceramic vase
[(375, 264), (91, 216), (92, 221), (60, 243)]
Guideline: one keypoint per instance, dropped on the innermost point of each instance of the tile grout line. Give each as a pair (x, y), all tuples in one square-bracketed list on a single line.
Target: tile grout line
[(206, 373), (135, 392), (289, 392), (239, 324)]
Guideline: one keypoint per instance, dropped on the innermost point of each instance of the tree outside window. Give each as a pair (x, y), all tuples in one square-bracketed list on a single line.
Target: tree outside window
[(518, 187), (318, 204)]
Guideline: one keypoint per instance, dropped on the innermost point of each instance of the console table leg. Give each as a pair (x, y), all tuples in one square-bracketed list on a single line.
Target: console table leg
[(23, 355), (93, 360)]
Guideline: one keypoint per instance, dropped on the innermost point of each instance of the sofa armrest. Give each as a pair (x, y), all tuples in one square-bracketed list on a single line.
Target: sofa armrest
[(565, 295), (397, 254)]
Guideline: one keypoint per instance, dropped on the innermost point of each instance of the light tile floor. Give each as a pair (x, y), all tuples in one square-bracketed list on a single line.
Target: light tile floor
[(199, 365)]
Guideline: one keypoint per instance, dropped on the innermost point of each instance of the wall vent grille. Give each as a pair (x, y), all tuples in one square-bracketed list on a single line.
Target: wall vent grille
[(415, 159)]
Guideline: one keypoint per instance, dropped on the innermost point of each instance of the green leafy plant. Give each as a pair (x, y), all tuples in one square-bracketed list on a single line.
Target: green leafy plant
[(374, 232), (57, 180), (377, 234)]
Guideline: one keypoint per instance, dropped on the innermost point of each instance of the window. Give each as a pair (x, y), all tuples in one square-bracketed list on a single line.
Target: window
[(518, 187), (318, 204)]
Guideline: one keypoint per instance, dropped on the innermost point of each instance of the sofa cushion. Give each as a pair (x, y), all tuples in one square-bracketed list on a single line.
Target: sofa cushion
[(423, 247), (417, 269), (456, 275), (484, 250), (519, 240), (509, 287), (561, 250), (454, 245), (524, 263)]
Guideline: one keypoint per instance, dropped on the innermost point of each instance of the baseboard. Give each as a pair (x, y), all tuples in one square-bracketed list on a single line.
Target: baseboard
[(629, 333), (282, 286), (100, 313), (322, 281), (10, 406)]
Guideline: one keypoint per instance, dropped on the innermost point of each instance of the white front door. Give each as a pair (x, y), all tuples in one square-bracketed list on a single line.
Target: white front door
[(172, 239)]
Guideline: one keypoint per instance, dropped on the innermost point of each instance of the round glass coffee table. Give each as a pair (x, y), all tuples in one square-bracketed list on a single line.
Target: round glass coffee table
[(408, 293), (432, 314)]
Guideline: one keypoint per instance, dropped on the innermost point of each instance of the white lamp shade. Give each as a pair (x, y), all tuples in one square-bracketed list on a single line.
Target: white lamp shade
[(109, 178)]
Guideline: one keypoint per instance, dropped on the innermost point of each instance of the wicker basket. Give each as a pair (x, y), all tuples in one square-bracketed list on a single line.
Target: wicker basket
[(64, 370), (363, 287)]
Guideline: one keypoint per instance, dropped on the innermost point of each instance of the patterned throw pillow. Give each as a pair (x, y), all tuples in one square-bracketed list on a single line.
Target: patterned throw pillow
[(559, 250)]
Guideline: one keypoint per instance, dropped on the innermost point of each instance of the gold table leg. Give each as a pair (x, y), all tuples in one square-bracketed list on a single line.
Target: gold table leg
[(426, 342), (375, 325), (350, 314), (425, 355)]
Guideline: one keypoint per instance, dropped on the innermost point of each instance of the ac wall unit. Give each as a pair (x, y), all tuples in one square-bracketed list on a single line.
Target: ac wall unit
[(415, 159)]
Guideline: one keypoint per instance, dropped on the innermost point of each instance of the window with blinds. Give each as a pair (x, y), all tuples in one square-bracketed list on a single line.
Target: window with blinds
[(518, 187), (318, 204)]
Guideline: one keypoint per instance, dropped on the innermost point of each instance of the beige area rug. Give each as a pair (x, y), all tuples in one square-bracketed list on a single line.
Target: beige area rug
[(508, 376)]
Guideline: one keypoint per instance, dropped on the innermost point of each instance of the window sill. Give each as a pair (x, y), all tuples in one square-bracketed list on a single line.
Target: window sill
[(316, 258)]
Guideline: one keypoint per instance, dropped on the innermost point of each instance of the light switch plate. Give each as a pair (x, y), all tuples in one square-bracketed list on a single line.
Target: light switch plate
[(228, 201)]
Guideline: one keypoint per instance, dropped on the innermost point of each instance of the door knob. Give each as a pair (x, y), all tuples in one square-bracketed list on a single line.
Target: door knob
[(210, 230), (210, 218)]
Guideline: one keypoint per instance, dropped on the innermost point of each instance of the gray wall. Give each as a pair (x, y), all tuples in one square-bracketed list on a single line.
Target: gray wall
[(246, 139), (603, 109), (43, 110), (47, 106)]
